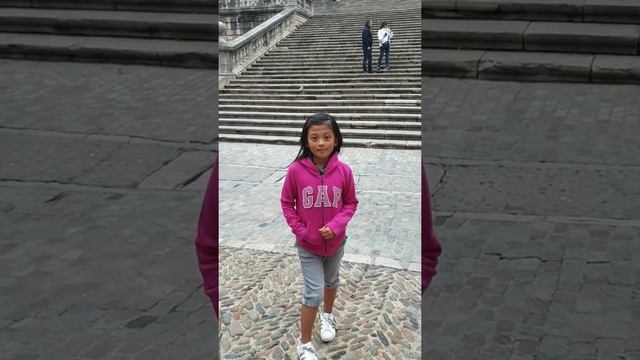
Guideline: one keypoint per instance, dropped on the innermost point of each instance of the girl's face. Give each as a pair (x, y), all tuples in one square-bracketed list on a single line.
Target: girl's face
[(321, 141)]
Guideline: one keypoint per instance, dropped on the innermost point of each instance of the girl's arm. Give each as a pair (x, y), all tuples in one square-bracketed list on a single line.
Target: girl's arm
[(288, 203), (207, 238), (430, 247), (338, 225)]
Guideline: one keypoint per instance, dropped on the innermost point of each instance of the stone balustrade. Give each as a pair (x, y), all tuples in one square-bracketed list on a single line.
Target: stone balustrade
[(237, 54)]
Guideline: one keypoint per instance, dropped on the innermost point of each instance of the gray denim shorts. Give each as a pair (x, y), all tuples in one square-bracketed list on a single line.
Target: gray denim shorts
[(319, 272)]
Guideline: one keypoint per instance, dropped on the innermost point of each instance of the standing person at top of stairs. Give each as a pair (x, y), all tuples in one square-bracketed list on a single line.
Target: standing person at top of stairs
[(384, 39), (367, 43)]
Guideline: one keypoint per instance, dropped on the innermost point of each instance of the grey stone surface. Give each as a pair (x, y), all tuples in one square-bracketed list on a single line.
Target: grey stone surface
[(531, 122), (534, 66), (196, 54), (540, 191), (180, 171), (91, 265), (623, 11), (445, 62), (538, 258), (100, 102), (473, 34), (607, 68), (114, 23), (582, 38)]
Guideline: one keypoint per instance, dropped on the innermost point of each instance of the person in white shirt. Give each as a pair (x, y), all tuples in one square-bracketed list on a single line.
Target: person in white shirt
[(384, 41)]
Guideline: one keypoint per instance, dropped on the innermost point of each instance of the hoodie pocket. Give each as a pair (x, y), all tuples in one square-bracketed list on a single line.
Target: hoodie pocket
[(312, 234)]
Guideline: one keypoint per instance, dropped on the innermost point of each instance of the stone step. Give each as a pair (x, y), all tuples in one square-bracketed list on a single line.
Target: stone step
[(302, 115), (347, 92), (364, 80), (330, 71), (333, 63), (358, 76), (344, 124), (370, 109), (347, 53), (192, 6), (531, 66), (531, 36), (332, 30), (346, 132), (338, 7), (397, 19), (624, 12), (354, 34), (354, 75), (344, 44), (405, 10), (347, 142), (325, 87), (380, 97), (326, 69), (330, 45), (383, 7), (194, 54), (325, 102), (110, 23)]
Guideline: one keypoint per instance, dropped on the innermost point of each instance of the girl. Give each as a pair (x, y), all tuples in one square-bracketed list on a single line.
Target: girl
[(318, 200)]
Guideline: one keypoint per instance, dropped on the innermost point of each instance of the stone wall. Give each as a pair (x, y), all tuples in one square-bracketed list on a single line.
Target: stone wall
[(240, 16)]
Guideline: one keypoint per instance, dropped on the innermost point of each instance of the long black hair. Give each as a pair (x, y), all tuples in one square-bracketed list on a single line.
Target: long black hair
[(318, 119)]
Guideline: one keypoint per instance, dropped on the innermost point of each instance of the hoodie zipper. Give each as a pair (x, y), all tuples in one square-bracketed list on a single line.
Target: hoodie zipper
[(322, 212)]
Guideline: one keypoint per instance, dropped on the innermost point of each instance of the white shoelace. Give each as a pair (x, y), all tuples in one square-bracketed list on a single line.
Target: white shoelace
[(328, 321)]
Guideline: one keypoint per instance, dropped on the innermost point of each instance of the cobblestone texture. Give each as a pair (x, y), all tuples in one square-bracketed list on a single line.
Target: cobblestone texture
[(376, 309)]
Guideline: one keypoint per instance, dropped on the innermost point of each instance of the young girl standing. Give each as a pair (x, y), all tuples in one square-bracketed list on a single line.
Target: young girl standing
[(318, 200)]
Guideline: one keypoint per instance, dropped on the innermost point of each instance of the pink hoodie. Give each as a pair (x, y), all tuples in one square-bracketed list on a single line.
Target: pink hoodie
[(310, 201), (207, 239), (430, 246)]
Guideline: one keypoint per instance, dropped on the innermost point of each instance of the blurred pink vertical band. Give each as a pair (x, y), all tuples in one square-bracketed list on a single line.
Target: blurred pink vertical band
[(430, 246), (207, 238)]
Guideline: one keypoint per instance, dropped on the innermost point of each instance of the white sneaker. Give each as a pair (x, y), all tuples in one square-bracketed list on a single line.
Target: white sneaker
[(327, 327), (306, 351)]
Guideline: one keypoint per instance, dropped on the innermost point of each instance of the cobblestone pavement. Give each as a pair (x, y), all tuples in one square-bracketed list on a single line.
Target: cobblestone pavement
[(537, 210), (377, 309), (102, 170), (384, 231)]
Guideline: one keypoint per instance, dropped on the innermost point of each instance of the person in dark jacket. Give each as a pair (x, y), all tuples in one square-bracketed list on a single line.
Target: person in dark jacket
[(367, 42)]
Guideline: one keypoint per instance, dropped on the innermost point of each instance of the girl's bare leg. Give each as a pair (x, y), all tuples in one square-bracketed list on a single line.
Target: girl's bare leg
[(329, 298), (307, 318)]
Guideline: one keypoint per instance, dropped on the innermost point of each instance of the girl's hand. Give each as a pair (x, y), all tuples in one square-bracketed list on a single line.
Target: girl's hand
[(326, 233)]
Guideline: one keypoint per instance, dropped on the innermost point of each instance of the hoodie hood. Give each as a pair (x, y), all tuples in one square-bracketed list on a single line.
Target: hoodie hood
[(331, 165)]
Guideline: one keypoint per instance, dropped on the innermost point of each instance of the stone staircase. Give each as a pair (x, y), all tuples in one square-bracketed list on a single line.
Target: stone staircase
[(532, 40), (181, 33), (318, 68)]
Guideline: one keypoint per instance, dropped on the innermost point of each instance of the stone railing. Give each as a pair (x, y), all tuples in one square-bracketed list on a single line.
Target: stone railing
[(237, 54)]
